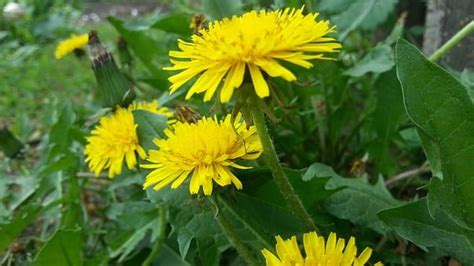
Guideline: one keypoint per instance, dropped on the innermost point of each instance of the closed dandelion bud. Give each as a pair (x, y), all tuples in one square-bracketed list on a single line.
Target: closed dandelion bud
[(198, 23), (126, 59), (113, 87), (9, 144), (186, 114)]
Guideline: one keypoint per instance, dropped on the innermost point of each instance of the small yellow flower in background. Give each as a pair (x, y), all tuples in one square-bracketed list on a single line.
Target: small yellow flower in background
[(115, 140), (255, 41), (317, 252), (206, 150), (153, 107), (67, 46)]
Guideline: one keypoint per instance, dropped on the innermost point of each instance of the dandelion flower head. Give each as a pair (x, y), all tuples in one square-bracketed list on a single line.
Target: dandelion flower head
[(205, 151), (255, 41), (334, 252), (115, 140), (67, 46)]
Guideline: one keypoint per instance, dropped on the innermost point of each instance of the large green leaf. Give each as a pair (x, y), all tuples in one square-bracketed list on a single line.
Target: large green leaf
[(63, 249), (443, 113), (218, 9), (386, 119), (414, 222), (358, 201), (10, 231), (150, 126)]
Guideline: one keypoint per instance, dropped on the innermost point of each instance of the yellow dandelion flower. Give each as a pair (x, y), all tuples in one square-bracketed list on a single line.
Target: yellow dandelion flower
[(115, 140), (334, 252), (255, 41), (67, 46), (206, 150)]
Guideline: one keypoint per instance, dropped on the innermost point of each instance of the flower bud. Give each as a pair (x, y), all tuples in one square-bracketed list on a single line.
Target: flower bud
[(113, 87)]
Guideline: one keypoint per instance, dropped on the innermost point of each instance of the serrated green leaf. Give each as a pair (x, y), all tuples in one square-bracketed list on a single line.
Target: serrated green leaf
[(190, 218), (135, 220), (378, 60), (64, 248), (443, 113), (150, 126), (217, 9), (414, 222), (359, 201)]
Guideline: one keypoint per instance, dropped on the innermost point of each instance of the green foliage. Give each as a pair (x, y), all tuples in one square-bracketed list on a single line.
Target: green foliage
[(387, 116), (191, 220), (377, 60), (135, 221), (355, 199), (416, 223), (367, 13), (11, 230), (64, 248), (218, 9), (443, 113)]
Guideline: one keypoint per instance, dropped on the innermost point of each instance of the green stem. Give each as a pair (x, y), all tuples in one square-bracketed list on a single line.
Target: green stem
[(254, 231), (231, 235), (161, 239), (277, 170), (457, 38)]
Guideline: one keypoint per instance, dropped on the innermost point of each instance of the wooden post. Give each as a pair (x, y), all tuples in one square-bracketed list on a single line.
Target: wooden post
[(443, 19)]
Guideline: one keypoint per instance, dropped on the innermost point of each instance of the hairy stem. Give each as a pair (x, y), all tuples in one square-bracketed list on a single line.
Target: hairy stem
[(279, 175), (457, 38), (232, 236)]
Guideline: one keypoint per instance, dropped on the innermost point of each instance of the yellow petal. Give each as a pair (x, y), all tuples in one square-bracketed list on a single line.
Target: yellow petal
[(259, 83)]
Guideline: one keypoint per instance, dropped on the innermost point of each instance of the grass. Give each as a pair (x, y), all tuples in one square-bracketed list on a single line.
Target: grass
[(33, 87)]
